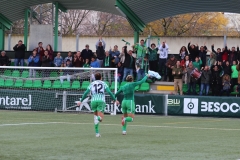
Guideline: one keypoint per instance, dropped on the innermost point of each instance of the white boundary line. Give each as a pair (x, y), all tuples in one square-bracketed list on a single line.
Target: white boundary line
[(173, 127)]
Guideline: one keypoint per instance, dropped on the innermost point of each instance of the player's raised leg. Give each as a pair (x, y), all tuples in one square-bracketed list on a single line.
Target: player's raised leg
[(128, 109)]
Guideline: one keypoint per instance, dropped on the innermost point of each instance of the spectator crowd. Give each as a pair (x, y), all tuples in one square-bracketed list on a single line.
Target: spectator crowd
[(218, 72)]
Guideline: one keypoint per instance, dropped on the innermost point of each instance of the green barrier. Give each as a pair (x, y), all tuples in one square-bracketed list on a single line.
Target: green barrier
[(204, 106)]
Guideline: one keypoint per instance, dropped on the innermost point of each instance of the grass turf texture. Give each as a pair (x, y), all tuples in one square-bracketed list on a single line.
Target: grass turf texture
[(44, 135)]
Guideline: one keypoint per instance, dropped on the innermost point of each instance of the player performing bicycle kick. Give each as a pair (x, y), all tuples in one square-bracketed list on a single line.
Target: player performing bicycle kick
[(97, 89), (128, 104)]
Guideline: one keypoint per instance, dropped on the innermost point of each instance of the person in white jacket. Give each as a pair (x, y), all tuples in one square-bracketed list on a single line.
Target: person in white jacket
[(163, 49)]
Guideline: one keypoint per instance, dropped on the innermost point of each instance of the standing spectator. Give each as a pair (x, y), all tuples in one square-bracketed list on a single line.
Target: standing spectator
[(94, 63), (227, 69), (115, 54), (120, 71), (4, 60), (234, 75), (58, 60), (19, 53), (69, 57), (232, 56), (153, 62), (203, 54), (177, 72), (129, 63), (163, 60), (183, 52), (170, 65), (78, 60), (224, 54), (141, 49), (107, 63), (46, 60), (122, 56), (40, 50), (218, 54), (184, 64), (226, 85), (33, 61), (205, 80), (50, 51), (211, 60), (191, 82), (193, 50), (216, 80), (197, 63), (100, 50), (143, 69), (238, 69), (87, 53)]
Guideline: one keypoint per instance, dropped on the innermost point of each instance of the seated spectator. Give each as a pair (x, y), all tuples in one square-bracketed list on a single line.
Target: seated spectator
[(115, 54), (46, 60), (94, 63), (4, 60), (69, 57), (33, 61), (87, 53), (87, 64), (170, 65), (58, 60), (66, 73), (226, 85), (183, 52), (191, 81), (197, 63), (50, 51), (78, 60), (177, 73), (205, 80)]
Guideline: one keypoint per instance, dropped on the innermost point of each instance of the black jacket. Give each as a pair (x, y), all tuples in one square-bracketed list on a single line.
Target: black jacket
[(216, 79), (227, 69), (193, 52), (19, 51), (4, 60), (203, 55), (46, 61), (218, 55), (127, 61), (100, 53), (110, 62), (87, 54)]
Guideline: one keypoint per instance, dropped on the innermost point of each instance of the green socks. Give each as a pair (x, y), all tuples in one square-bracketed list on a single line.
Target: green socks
[(96, 128), (96, 123), (127, 119)]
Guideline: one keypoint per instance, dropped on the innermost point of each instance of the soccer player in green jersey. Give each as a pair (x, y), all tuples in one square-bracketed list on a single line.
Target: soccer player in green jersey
[(97, 89), (128, 104)]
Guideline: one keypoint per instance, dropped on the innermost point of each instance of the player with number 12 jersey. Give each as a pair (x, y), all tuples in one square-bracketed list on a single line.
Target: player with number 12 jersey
[(97, 90)]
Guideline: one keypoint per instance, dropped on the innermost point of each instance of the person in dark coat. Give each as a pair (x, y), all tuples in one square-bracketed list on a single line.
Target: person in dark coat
[(216, 80), (87, 53), (19, 53), (193, 50), (100, 50), (218, 53), (129, 63), (4, 60), (205, 80)]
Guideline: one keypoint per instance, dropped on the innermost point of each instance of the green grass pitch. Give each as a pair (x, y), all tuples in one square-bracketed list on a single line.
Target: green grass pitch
[(60, 136)]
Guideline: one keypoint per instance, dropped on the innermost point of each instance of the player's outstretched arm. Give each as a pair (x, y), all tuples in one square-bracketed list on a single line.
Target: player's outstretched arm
[(110, 93), (140, 82), (84, 96)]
